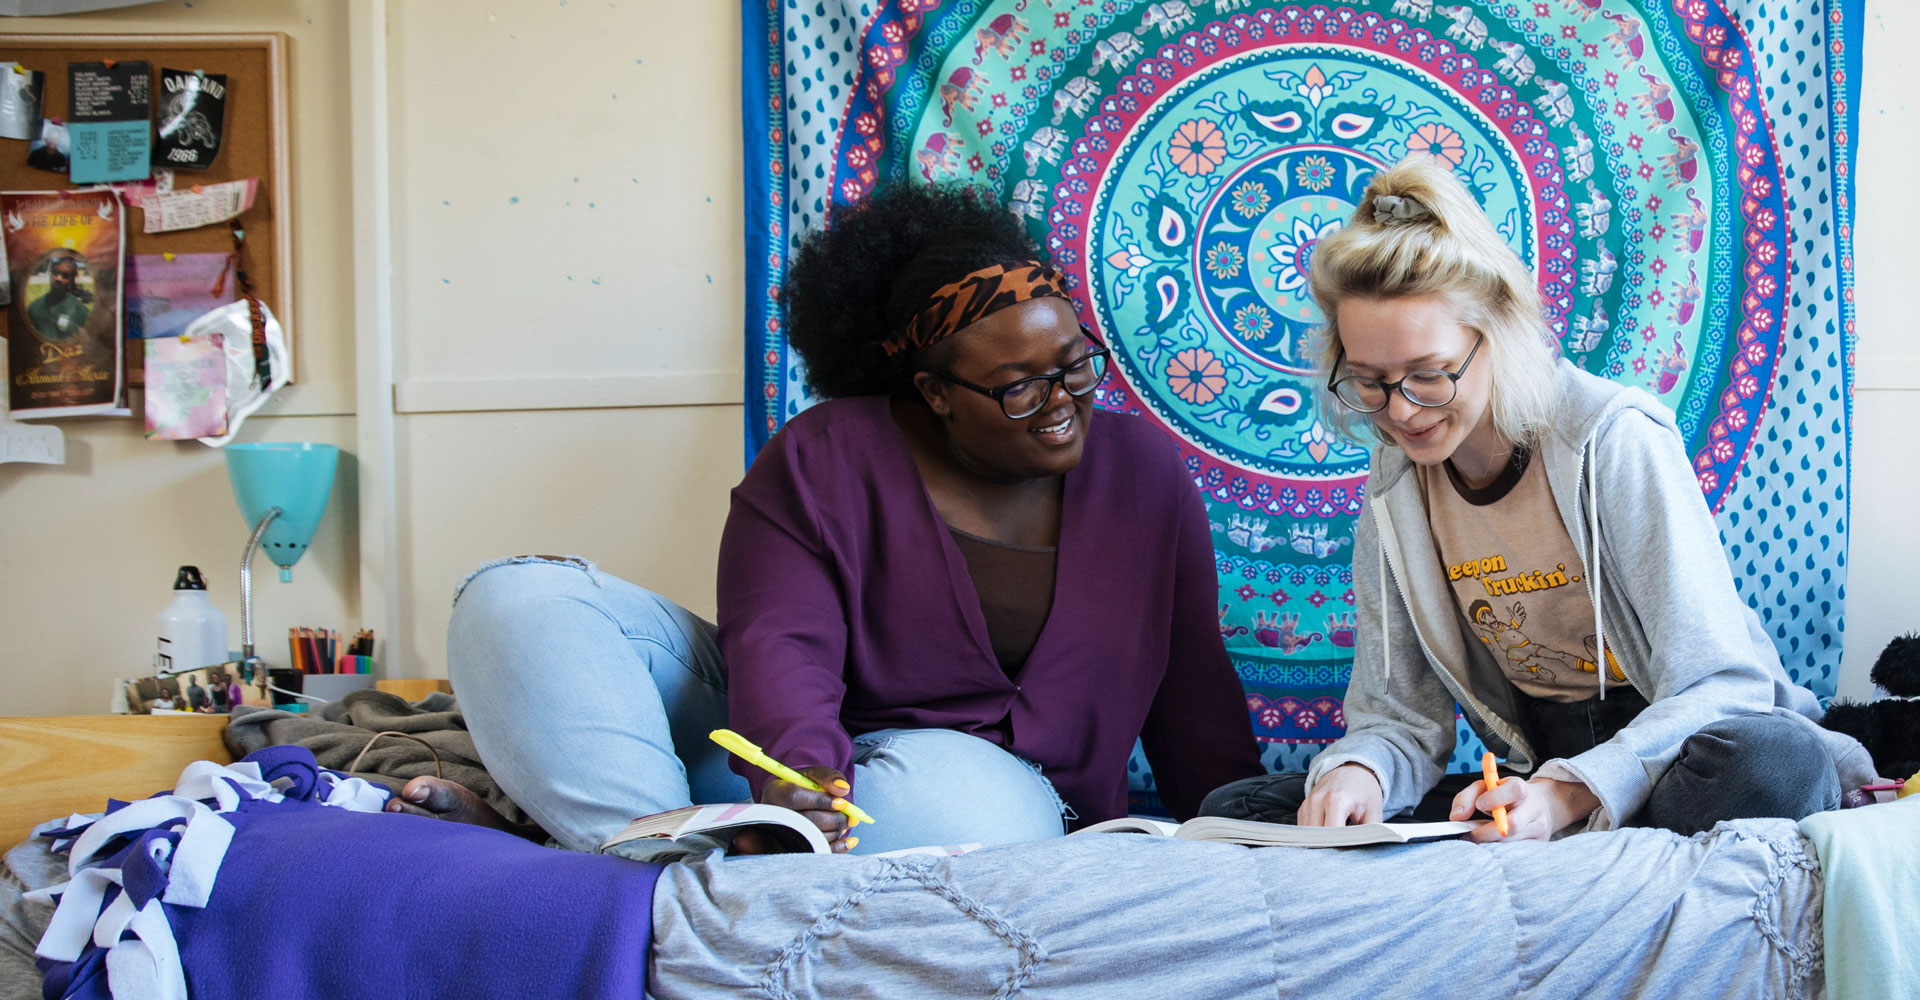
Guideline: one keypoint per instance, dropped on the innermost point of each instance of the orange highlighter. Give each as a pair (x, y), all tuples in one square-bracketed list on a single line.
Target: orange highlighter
[(1493, 781)]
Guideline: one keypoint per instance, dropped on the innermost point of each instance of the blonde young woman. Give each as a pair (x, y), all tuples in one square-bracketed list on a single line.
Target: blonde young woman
[(1507, 491)]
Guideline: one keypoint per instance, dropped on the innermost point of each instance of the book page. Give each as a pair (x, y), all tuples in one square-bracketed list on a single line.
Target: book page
[(1133, 824), (1235, 831), (677, 823), (944, 851)]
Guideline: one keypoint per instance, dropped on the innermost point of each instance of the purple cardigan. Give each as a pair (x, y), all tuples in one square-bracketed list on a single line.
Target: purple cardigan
[(846, 607)]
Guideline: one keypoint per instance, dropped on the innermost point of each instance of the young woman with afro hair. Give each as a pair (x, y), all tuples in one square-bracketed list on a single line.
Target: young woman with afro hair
[(951, 592)]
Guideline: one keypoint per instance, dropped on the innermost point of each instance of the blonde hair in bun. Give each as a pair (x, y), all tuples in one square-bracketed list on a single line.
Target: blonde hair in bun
[(1417, 233)]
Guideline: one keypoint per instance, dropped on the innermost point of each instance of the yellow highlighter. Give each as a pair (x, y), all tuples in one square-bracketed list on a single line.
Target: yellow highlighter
[(738, 745)]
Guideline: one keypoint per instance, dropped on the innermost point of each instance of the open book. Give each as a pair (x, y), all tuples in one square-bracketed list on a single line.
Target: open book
[(792, 831), (1221, 830)]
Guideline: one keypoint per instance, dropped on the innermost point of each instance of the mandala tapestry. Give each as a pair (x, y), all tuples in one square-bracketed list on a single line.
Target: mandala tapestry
[(1675, 172)]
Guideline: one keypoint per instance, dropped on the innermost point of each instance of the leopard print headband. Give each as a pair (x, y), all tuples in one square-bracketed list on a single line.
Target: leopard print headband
[(959, 305)]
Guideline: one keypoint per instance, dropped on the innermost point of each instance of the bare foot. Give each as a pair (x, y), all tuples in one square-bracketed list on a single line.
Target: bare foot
[(749, 840), (439, 798)]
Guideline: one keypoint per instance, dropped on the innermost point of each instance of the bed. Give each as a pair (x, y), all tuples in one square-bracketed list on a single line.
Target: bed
[(317, 900)]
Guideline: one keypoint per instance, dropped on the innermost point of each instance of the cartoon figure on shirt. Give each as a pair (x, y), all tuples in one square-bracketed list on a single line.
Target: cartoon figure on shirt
[(1282, 632), (1521, 653), (1614, 673), (1513, 647)]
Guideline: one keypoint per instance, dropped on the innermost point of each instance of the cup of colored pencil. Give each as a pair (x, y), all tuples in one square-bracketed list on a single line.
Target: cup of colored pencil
[(318, 651)]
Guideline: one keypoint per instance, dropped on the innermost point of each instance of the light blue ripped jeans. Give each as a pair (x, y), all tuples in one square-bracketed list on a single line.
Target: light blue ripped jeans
[(590, 700)]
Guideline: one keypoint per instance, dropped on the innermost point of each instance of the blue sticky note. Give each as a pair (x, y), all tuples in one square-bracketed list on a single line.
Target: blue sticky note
[(110, 151)]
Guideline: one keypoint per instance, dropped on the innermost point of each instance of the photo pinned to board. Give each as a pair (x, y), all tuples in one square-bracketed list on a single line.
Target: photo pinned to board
[(21, 92), (186, 387), (49, 148), (192, 118)]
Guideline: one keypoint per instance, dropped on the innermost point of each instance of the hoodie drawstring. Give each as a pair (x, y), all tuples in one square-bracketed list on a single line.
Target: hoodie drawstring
[(1593, 569), (1386, 648)]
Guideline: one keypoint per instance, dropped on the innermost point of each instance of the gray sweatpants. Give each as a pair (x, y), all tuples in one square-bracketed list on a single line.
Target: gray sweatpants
[(1632, 913)]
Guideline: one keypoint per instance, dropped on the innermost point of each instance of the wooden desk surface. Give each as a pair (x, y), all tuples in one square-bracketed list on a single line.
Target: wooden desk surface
[(59, 764)]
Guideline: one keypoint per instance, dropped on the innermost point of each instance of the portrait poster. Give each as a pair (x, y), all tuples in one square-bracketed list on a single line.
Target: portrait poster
[(65, 255)]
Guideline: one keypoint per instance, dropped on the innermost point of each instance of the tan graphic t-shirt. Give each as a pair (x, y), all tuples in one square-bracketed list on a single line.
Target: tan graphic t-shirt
[(1516, 577)]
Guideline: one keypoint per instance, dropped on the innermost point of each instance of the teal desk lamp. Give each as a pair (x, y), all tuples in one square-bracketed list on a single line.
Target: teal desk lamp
[(282, 488)]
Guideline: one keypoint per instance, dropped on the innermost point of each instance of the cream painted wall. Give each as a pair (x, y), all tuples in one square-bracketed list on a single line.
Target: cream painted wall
[(88, 551), (566, 190), (1882, 600), (570, 220), (493, 342), (643, 492)]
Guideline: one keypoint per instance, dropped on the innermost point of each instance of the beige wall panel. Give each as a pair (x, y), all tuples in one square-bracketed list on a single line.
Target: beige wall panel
[(643, 492), (566, 188)]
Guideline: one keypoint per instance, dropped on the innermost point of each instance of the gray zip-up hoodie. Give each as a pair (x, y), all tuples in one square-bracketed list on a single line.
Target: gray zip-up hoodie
[(1667, 608)]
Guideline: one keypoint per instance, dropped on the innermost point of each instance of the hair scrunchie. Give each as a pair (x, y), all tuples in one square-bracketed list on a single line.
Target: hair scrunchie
[(1392, 209)]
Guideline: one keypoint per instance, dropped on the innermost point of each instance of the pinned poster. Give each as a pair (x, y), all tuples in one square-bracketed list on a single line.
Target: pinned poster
[(168, 291), (65, 256), (21, 91), (110, 121), (200, 205), (186, 388), (193, 114)]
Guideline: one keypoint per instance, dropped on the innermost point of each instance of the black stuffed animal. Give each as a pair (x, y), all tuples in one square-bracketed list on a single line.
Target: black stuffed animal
[(1888, 728)]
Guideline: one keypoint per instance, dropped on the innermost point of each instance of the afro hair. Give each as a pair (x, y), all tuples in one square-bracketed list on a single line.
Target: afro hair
[(856, 282)]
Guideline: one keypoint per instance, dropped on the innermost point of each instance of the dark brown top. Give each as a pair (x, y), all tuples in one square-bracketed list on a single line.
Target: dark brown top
[(1015, 586)]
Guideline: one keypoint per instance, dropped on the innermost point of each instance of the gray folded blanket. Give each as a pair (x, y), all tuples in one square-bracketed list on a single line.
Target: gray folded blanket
[(23, 869), (339, 730)]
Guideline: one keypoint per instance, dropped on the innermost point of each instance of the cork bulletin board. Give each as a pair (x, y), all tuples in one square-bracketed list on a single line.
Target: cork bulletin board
[(254, 146)]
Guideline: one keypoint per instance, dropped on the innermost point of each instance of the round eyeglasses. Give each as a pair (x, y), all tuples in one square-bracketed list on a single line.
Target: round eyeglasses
[(1025, 397), (1429, 387)]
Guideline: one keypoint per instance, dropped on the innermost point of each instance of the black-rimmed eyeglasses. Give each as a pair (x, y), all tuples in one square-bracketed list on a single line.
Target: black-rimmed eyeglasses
[(1025, 397), (1427, 387)]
